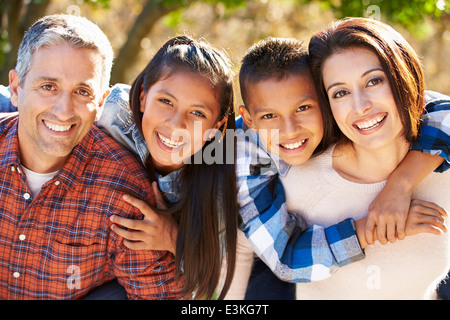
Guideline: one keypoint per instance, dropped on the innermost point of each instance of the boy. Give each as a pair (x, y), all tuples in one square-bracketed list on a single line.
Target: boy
[(283, 111)]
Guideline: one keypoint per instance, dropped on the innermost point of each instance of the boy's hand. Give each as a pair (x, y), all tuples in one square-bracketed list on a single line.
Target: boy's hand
[(388, 213), (425, 217)]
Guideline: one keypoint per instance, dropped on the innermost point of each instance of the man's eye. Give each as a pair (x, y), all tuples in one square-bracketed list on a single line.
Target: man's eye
[(47, 87), (84, 92)]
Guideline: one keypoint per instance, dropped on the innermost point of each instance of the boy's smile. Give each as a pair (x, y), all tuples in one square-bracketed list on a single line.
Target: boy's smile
[(286, 114)]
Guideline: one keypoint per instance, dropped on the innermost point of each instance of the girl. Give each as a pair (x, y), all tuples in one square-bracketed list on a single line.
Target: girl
[(372, 81), (179, 108)]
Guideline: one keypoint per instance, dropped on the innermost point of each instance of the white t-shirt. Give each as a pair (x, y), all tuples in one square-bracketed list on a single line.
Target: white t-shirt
[(35, 181)]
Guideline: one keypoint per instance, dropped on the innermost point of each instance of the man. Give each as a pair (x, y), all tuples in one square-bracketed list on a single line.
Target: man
[(61, 178)]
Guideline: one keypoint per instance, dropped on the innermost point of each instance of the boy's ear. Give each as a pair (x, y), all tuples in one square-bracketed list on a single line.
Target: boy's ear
[(246, 117), (14, 86)]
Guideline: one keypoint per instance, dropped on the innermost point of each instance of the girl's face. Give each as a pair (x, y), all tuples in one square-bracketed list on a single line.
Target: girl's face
[(361, 98), (179, 112)]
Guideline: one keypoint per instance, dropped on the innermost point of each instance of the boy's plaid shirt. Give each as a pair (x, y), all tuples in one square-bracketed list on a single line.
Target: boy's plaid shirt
[(59, 245), (280, 238)]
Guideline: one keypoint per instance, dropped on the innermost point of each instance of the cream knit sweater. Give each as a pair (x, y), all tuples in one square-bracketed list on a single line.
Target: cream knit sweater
[(407, 269)]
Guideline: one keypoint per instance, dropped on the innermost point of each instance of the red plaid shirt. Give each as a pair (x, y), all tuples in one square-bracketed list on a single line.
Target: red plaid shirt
[(59, 244)]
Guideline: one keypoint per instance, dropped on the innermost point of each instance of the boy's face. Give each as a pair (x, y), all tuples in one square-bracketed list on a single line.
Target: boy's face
[(286, 114)]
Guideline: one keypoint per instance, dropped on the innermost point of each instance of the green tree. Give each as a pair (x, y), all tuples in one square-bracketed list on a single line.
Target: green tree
[(16, 16)]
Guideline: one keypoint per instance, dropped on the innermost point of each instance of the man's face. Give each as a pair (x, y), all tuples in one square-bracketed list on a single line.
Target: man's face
[(57, 103)]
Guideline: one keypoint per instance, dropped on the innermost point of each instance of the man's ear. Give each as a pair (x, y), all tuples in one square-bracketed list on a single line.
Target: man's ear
[(246, 117), (100, 105), (14, 87)]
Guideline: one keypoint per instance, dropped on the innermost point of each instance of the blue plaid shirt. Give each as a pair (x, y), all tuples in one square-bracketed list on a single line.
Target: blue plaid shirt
[(279, 237)]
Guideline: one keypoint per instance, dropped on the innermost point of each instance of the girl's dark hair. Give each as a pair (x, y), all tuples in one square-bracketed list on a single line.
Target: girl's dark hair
[(398, 60), (207, 211)]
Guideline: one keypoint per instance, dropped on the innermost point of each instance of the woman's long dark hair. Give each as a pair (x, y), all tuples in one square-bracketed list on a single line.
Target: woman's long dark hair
[(399, 61), (207, 211)]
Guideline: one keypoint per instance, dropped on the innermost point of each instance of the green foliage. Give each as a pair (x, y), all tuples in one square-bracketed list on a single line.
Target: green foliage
[(410, 14)]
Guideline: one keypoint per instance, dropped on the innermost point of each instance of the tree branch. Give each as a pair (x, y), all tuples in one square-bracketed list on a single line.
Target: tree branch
[(151, 13)]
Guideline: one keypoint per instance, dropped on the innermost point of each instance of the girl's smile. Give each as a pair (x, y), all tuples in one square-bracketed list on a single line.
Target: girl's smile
[(177, 111)]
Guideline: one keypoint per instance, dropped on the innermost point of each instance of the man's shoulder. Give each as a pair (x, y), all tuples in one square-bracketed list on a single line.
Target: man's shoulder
[(7, 121), (112, 151), (113, 158)]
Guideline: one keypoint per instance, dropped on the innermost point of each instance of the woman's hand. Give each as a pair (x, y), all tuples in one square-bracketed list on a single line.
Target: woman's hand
[(425, 217), (387, 214), (154, 232)]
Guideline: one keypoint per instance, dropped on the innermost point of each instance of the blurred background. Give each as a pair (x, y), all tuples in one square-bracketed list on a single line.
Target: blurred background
[(137, 28)]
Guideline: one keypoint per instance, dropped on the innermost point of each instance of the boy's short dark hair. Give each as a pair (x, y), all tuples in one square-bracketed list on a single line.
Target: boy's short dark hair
[(272, 58)]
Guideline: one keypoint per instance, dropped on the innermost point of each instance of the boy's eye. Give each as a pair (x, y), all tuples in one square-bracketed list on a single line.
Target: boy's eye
[(268, 116), (303, 108)]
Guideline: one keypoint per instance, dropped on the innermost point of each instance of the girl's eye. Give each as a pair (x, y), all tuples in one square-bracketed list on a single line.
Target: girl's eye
[(268, 116), (166, 101), (303, 108), (374, 81), (339, 94), (198, 114)]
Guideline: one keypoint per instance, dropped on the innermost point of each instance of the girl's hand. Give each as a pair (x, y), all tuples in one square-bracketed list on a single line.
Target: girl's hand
[(154, 232), (425, 217)]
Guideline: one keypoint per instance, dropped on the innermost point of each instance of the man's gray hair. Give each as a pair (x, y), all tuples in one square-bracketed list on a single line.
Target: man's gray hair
[(75, 31)]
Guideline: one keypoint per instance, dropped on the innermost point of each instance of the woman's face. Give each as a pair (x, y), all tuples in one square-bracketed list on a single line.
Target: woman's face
[(179, 111), (361, 98)]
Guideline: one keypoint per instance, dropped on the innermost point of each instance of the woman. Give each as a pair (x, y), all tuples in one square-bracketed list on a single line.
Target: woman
[(373, 83)]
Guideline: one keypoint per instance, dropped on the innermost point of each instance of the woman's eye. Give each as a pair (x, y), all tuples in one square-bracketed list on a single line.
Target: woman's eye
[(374, 81), (339, 94), (268, 116)]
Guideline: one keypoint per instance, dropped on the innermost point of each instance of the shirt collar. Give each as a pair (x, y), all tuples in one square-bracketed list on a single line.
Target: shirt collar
[(169, 185), (281, 166), (68, 175)]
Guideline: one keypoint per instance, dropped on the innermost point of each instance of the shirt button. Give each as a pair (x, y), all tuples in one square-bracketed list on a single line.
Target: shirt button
[(13, 168), (27, 196), (22, 237), (57, 182), (16, 274)]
